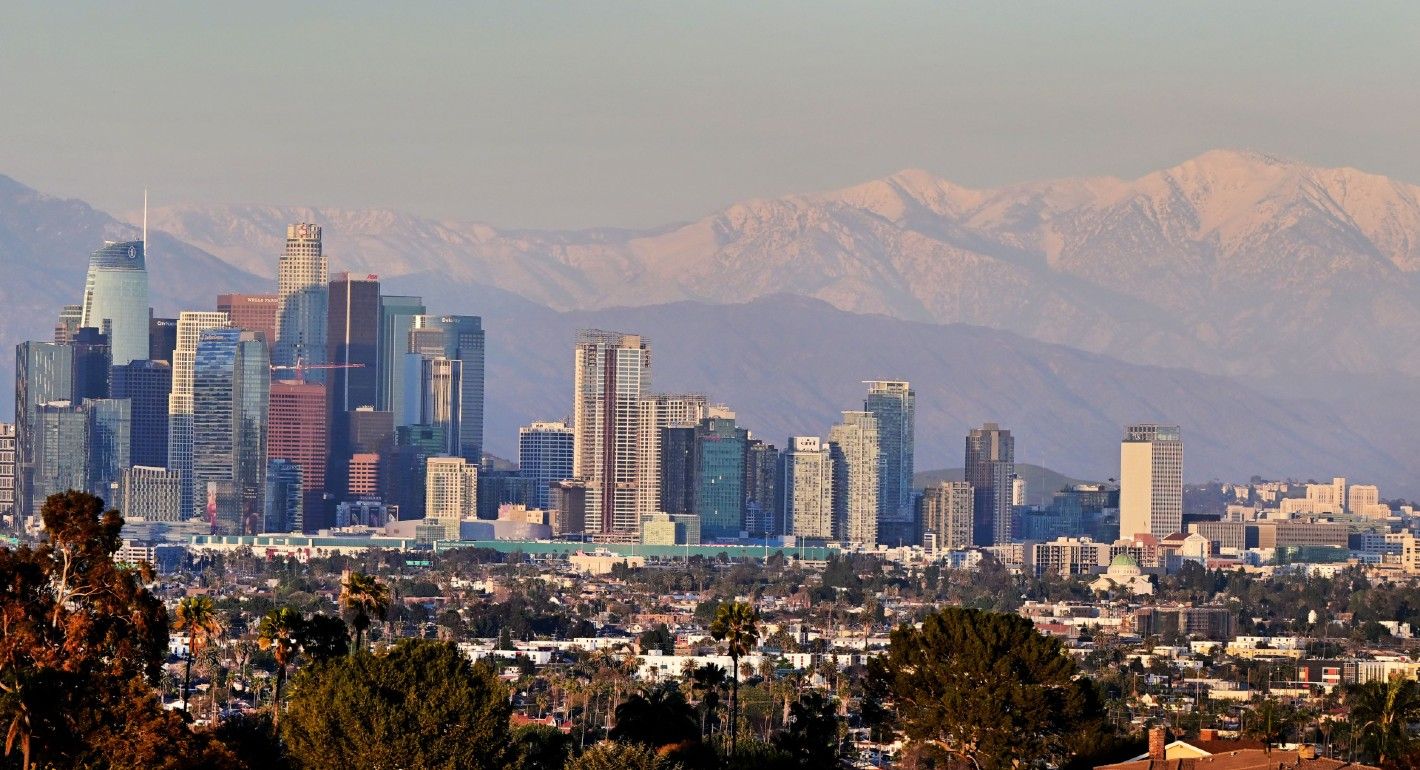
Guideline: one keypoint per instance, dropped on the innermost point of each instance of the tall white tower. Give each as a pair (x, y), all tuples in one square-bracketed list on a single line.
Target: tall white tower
[(302, 283), (1150, 481), (612, 374)]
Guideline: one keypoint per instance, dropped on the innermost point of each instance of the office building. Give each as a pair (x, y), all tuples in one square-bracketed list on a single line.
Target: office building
[(947, 516), (612, 374), (568, 514), (253, 313), (464, 342), (110, 425), (853, 445), (397, 315), (894, 405), (441, 385), (677, 469), (352, 339), (91, 364), (403, 469), (231, 384), (451, 493), (146, 385), (363, 477), (498, 489), (61, 450), (761, 490), (658, 412), (302, 278), (43, 374), (545, 456), (152, 494), (285, 496), (1150, 481), (990, 466), (297, 434), (70, 317), (116, 299), (190, 328), (719, 477), (806, 488), (162, 339)]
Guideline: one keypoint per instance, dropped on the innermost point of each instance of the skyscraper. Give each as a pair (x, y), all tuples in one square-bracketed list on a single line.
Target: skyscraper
[(612, 372), (190, 327), (285, 499), (658, 412), (451, 492), (1150, 481), (297, 433), (545, 456), (990, 464), (302, 296), (61, 450), (352, 341), (7, 471), (146, 384), (464, 342), (894, 405), (853, 445), (761, 490), (70, 317), (162, 339), (110, 426), (806, 488), (677, 469), (116, 299), (43, 374), (719, 477), (230, 396), (396, 319), (947, 515), (252, 312), (441, 385), (92, 361)]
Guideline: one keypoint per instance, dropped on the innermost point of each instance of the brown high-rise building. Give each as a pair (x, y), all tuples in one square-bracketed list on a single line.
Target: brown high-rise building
[(297, 431), (252, 312), (364, 476)]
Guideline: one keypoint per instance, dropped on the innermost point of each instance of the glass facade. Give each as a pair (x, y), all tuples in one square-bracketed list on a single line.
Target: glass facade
[(285, 506), (396, 319), (146, 385), (894, 406), (545, 457), (719, 477), (110, 426), (43, 374), (231, 392), (116, 299), (464, 342)]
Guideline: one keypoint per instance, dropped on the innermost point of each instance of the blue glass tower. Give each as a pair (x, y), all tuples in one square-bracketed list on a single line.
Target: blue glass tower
[(231, 386), (116, 299)]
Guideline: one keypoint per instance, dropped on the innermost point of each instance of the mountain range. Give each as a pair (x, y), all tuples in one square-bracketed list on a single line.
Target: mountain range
[(1266, 306)]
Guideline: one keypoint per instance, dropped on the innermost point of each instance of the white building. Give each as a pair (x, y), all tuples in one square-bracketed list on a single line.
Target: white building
[(807, 494), (450, 492), (612, 375), (853, 445), (1150, 481)]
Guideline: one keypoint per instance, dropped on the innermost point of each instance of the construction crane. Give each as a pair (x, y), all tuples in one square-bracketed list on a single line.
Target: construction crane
[(301, 367)]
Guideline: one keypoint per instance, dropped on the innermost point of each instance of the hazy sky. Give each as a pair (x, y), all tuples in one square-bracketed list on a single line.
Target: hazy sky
[(590, 113)]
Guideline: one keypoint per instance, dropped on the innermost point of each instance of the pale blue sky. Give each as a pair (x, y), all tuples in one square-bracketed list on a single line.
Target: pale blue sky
[(636, 114)]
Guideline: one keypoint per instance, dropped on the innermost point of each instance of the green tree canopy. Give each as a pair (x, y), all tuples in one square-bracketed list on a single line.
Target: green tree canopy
[(985, 687), (421, 705)]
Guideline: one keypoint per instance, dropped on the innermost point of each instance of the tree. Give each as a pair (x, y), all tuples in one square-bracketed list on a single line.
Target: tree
[(737, 625), (708, 680), (82, 643), (363, 598), (324, 638), (611, 755), (196, 616), (540, 747), (419, 705), (658, 638), (280, 631), (811, 738), (985, 688), (1382, 713)]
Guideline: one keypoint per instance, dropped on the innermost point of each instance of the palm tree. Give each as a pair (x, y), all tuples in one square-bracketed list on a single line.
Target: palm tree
[(737, 625), (708, 680), (196, 616), (1384, 712), (364, 598), (280, 631)]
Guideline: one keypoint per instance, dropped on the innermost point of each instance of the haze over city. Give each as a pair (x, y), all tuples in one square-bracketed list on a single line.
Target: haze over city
[(638, 386)]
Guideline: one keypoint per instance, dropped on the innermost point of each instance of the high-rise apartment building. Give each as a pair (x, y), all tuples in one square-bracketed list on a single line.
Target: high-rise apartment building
[(1150, 481), (612, 373), (43, 374), (116, 299), (397, 315), (719, 477), (947, 516), (853, 445), (545, 456), (990, 465), (297, 433), (451, 492), (894, 405), (761, 490), (7, 471), (230, 395), (190, 328), (806, 488), (658, 412), (302, 278), (252, 312), (92, 361), (146, 384), (464, 342)]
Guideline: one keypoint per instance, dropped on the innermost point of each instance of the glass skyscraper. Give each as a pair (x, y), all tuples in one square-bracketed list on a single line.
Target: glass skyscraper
[(990, 465), (230, 393), (396, 319), (464, 342), (146, 384), (302, 276), (110, 425), (894, 404), (116, 299), (545, 457), (719, 477), (43, 374)]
